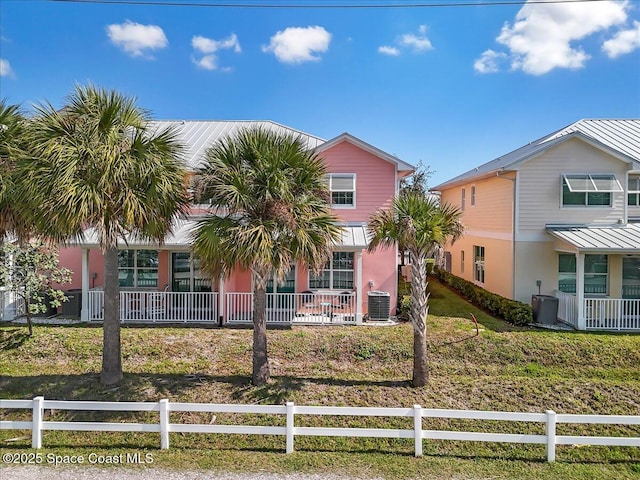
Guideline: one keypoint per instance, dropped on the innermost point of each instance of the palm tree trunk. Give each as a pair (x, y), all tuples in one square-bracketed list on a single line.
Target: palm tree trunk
[(111, 354), (419, 311), (260, 358)]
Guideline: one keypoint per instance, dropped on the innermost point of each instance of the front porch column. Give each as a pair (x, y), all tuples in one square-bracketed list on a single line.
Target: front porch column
[(582, 323), (221, 318), (359, 299), (84, 313)]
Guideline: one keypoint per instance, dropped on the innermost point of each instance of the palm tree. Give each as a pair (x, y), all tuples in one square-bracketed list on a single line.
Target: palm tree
[(269, 209), (13, 214), (98, 163), (422, 225)]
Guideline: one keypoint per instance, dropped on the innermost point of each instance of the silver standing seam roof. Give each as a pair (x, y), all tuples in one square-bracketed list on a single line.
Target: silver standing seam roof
[(619, 136), (198, 135), (597, 238), (354, 237)]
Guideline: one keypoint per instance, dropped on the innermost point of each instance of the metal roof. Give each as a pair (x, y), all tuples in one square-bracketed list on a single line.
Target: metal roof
[(619, 136), (197, 135), (354, 237), (600, 238)]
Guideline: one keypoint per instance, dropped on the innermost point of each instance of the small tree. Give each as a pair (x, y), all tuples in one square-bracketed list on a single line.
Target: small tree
[(30, 271)]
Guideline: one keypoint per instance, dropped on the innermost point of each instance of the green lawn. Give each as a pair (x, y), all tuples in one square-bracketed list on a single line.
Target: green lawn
[(505, 368)]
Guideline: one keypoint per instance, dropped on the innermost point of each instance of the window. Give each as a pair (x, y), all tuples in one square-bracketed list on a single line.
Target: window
[(463, 199), (462, 261), (588, 190), (567, 273), (186, 275), (337, 273), (631, 277), (343, 189), (478, 264), (473, 195), (138, 268), (633, 189), (596, 273)]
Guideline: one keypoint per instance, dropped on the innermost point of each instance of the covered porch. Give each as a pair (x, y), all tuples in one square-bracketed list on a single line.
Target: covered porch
[(598, 276), (164, 284)]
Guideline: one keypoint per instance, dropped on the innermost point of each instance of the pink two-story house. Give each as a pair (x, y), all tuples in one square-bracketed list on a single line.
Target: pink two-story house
[(164, 282)]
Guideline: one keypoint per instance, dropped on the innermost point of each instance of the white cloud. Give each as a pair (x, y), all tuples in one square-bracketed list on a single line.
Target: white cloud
[(417, 42), (489, 61), (5, 68), (137, 39), (625, 41), (209, 47), (298, 44), (544, 35), (387, 50)]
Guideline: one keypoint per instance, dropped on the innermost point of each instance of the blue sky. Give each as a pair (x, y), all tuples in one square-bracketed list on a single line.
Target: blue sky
[(454, 87)]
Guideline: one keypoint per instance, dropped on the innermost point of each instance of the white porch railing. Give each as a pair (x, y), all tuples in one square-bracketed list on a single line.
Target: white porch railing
[(613, 314), (11, 306), (414, 429), (567, 308), (142, 306), (294, 308)]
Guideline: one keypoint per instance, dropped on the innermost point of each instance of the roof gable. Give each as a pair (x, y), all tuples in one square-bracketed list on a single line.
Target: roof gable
[(619, 138), (347, 137)]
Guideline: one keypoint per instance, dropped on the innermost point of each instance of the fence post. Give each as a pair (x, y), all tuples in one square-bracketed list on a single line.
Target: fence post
[(417, 429), (164, 424), (290, 426), (36, 424), (551, 436)]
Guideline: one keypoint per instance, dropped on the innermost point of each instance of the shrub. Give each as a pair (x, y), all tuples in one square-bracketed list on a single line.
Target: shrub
[(513, 311)]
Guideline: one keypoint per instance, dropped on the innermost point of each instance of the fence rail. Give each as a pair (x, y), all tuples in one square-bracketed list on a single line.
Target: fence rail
[(164, 427)]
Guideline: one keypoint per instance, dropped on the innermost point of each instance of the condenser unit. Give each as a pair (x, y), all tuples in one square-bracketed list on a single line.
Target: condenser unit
[(379, 305)]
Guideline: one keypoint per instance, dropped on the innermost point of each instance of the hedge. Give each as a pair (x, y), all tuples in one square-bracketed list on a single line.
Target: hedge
[(514, 312)]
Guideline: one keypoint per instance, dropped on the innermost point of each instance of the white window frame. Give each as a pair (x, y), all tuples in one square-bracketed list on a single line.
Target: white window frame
[(330, 268), (330, 178), (635, 191), (463, 198), (591, 186), (472, 201), (135, 268), (479, 258)]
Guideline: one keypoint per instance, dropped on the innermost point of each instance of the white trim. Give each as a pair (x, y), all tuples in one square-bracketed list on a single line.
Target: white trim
[(84, 312), (486, 234), (354, 177), (472, 195)]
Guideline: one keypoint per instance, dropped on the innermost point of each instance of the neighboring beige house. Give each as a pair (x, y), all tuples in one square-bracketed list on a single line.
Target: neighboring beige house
[(559, 216)]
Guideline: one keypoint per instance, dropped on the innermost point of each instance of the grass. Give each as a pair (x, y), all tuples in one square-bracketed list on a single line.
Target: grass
[(505, 368)]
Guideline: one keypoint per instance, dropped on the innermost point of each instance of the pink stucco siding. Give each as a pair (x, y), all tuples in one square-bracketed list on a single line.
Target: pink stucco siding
[(375, 179)]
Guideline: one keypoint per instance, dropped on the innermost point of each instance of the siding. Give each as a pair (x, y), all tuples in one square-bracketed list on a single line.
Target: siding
[(492, 211), (375, 179), (540, 189)]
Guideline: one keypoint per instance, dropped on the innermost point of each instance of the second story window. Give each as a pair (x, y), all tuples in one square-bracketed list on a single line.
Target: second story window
[(633, 191), (343, 189), (473, 195), (588, 190), (463, 199)]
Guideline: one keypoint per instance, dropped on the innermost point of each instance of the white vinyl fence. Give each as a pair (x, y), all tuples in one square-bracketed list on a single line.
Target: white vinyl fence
[(164, 427)]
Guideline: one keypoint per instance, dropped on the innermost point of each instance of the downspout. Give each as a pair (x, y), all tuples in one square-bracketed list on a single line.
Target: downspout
[(513, 232)]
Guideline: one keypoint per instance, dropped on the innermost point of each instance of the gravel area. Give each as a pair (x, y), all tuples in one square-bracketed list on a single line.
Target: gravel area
[(92, 473)]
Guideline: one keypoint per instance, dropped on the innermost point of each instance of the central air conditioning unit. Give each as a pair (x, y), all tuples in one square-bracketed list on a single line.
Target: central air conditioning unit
[(379, 305)]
